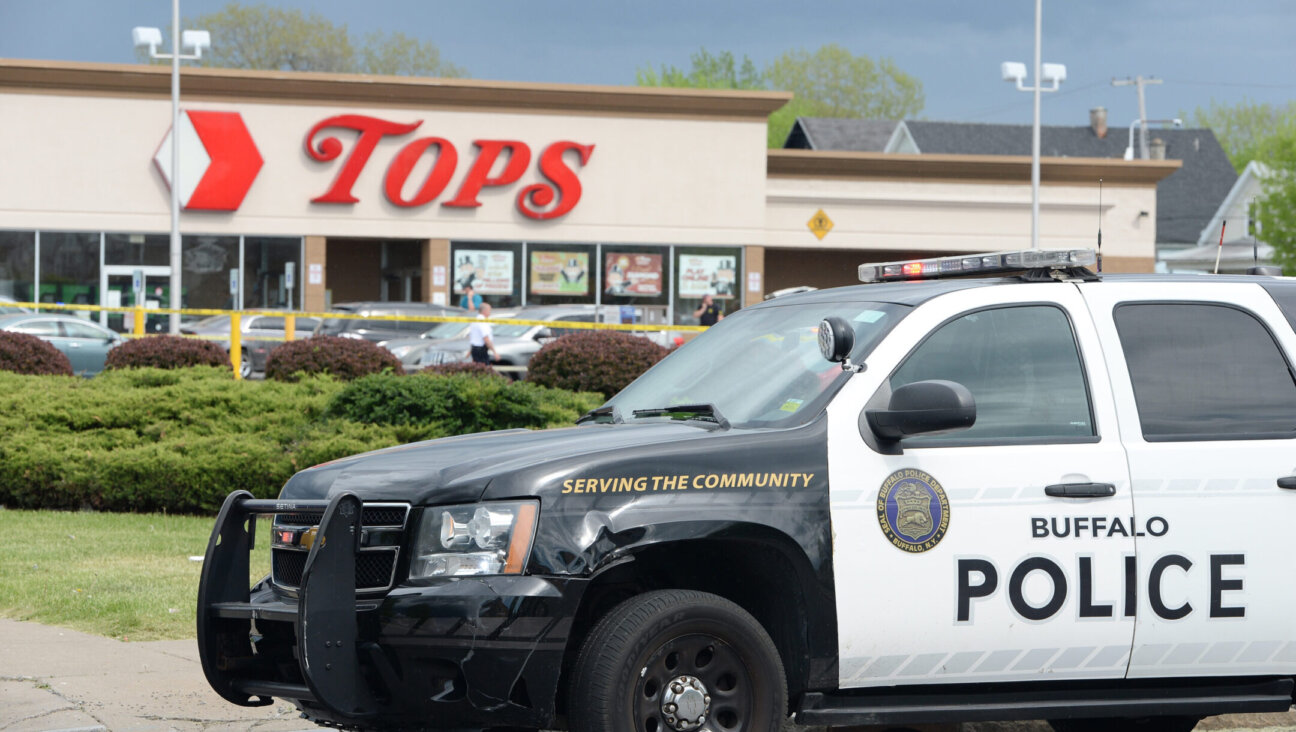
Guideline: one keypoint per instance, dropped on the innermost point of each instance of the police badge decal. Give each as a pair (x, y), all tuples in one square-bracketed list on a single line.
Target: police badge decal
[(913, 510)]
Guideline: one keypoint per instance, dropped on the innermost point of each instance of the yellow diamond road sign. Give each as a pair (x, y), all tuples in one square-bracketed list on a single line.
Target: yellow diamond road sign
[(820, 224)]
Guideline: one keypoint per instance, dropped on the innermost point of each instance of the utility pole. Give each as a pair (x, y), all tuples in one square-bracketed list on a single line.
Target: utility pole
[(1139, 81)]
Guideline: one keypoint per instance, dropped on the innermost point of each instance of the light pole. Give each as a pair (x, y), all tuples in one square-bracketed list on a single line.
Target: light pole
[(196, 40), (1015, 71)]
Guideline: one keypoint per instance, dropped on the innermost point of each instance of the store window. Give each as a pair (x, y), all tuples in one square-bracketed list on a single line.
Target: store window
[(706, 270), (69, 268), (207, 261), (561, 274), (267, 260), (636, 279), (492, 268), (141, 250), (17, 264)]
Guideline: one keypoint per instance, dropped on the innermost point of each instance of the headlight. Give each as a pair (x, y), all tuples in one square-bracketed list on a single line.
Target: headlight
[(483, 538), (402, 351)]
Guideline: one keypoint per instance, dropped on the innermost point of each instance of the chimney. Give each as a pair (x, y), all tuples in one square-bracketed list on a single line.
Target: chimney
[(1098, 121), (1157, 149)]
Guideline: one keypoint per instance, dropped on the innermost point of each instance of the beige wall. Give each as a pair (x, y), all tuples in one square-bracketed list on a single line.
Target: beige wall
[(880, 218), (313, 293), (83, 162)]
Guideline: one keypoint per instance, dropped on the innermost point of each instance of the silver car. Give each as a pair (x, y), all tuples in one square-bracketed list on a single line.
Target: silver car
[(515, 344), (261, 333), (86, 344)]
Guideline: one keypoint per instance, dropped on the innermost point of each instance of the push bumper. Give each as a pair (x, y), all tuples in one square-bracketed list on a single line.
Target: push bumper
[(445, 654)]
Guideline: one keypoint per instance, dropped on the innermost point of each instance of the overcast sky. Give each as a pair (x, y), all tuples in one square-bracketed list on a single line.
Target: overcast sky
[(1202, 49)]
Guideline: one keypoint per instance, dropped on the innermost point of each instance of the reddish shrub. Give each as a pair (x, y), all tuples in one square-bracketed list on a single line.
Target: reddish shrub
[(26, 354), (166, 352), (468, 368), (345, 358), (601, 361)]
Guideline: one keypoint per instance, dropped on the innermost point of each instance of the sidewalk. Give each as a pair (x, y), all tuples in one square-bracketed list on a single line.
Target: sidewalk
[(58, 679)]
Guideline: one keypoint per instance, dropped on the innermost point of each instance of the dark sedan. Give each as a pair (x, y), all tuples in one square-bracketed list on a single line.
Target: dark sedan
[(86, 344)]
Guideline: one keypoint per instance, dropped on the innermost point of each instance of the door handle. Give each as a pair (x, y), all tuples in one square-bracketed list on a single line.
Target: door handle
[(1288, 482), (1081, 490)]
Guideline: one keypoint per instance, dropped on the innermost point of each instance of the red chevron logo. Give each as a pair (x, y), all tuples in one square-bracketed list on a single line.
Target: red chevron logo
[(218, 160)]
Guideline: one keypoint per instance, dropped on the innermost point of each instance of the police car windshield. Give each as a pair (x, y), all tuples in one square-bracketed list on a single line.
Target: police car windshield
[(759, 367)]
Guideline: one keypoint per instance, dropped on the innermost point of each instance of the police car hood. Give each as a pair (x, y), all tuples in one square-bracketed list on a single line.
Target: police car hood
[(513, 463)]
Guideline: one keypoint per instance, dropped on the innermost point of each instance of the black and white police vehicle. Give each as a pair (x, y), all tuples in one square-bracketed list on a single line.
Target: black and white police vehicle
[(1048, 495)]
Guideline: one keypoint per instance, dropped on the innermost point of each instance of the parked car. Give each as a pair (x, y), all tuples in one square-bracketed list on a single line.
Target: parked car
[(377, 328), (411, 350), (86, 344), (261, 333), (515, 344)]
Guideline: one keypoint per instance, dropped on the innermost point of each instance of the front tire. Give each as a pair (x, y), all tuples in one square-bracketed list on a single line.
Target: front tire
[(245, 365), (677, 661)]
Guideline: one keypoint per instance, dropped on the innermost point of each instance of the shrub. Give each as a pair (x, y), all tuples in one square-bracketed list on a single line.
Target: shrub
[(26, 354), (344, 358), (166, 352), (466, 368), (180, 440), (456, 403), (599, 361)]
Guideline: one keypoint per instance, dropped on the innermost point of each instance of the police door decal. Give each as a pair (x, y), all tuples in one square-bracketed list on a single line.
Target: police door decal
[(913, 510)]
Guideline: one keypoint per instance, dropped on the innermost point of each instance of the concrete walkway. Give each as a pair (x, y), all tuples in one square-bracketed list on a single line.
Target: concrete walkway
[(58, 679)]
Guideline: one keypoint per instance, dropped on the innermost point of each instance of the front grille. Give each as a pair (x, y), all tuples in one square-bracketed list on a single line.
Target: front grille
[(372, 515), (373, 568), (375, 564)]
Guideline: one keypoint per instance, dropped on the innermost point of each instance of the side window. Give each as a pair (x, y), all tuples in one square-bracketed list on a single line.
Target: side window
[(1021, 365), (77, 330), (267, 323), (43, 328), (1204, 372), (573, 318)]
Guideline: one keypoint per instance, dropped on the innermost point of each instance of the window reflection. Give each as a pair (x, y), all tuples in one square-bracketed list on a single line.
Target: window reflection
[(17, 264)]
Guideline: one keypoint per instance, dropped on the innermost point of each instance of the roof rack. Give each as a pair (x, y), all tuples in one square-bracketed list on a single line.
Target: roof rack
[(1045, 263)]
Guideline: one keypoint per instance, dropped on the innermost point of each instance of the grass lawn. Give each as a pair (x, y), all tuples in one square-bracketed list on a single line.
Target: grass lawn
[(126, 576)]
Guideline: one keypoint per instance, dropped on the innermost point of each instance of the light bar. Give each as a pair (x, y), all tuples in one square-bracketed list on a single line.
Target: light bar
[(977, 264)]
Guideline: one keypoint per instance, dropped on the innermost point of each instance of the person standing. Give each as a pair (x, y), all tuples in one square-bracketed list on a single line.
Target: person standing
[(470, 301), (480, 338), (708, 313)]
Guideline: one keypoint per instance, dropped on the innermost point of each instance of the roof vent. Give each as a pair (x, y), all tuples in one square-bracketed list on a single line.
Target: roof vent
[(1098, 121), (1157, 150)]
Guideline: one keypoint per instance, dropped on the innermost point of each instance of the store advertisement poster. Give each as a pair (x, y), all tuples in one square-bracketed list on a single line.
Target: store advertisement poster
[(489, 272), (560, 273), (704, 274), (633, 274)]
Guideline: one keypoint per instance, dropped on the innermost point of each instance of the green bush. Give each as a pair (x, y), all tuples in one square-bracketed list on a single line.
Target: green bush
[(26, 354), (166, 352), (468, 368), (343, 358), (180, 440), (599, 361), (456, 403)]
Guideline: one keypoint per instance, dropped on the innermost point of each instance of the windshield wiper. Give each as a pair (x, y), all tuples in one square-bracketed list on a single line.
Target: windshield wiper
[(690, 412), (598, 414)]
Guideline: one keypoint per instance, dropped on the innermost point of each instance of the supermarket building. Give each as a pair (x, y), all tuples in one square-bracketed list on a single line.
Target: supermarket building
[(301, 190)]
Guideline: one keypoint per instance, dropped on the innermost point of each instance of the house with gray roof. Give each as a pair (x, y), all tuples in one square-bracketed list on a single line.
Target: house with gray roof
[(1187, 200)]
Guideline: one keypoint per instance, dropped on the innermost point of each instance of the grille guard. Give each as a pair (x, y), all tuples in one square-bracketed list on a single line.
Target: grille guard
[(325, 618)]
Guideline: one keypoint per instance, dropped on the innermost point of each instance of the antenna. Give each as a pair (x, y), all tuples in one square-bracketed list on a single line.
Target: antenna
[(1220, 249), (1100, 226)]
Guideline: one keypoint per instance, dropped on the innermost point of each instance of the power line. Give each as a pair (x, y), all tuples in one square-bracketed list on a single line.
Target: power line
[(1006, 107), (1231, 83)]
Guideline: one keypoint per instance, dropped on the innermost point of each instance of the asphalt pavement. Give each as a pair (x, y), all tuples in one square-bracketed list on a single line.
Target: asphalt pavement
[(59, 679)]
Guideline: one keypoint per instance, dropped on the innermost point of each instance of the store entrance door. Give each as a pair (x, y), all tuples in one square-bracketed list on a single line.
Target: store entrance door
[(116, 289)]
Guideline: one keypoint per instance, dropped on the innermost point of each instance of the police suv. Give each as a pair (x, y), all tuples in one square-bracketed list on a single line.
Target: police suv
[(1051, 494)]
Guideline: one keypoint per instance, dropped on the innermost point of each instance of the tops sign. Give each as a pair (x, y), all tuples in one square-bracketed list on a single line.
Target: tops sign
[(540, 201)]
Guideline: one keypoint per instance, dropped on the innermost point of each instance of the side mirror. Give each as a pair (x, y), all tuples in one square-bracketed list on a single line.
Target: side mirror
[(923, 408), (836, 339), (544, 334)]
